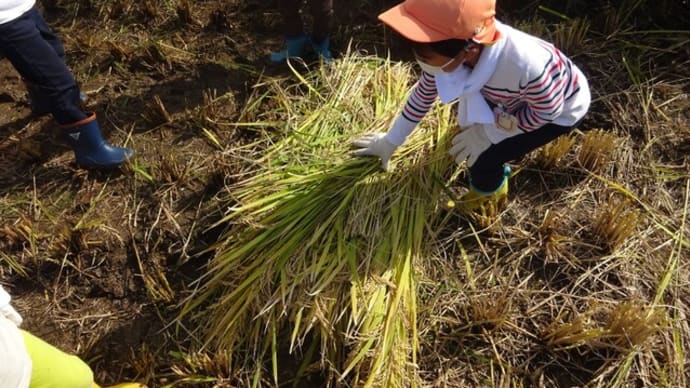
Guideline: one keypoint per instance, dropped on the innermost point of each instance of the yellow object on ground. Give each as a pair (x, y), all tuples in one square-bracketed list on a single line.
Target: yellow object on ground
[(474, 200), (53, 368)]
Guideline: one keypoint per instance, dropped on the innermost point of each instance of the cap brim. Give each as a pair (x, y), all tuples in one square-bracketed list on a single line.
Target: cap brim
[(408, 26)]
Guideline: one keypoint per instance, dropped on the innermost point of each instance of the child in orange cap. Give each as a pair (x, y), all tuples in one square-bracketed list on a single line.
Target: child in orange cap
[(515, 92)]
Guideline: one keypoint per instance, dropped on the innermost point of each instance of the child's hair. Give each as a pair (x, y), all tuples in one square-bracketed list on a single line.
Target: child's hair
[(450, 48)]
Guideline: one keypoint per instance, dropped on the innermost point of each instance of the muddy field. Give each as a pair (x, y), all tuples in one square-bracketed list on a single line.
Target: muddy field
[(99, 263)]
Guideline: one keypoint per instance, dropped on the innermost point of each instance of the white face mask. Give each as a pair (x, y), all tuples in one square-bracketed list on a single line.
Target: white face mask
[(433, 70)]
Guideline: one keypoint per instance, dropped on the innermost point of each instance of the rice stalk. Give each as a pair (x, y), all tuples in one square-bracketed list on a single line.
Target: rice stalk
[(630, 325), (492, 311), (578, 331), (636, 332), (552, 153), (597, 150), (616, 222), (664, 223), (156, 113), (184, 12), (323, 245), (554, 243), (571, 36), (13, 264)]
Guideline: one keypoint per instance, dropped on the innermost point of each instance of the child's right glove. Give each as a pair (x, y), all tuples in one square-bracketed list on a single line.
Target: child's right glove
[(476, 138), (471, 142)]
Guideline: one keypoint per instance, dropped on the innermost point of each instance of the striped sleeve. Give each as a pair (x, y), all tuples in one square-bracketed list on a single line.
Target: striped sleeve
[(418, 104), (544, 94)]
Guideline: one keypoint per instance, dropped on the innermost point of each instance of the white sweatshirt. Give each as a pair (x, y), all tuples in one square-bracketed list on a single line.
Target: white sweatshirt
[(15, 364), (12, 9), (532, 80)]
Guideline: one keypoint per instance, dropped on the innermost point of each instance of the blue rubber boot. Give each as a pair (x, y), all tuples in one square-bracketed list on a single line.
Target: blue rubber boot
[(90, 149), (294, 47), (323, 49)]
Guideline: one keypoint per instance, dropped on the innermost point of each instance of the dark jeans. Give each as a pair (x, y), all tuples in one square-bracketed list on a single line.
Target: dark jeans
[(486, 174), (37, 54), (321, 11)]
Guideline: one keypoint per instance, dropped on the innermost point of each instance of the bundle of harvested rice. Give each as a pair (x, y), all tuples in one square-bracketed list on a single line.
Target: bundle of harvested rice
[(322, 246)]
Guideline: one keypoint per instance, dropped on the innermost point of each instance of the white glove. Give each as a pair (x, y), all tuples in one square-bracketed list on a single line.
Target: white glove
[(11, 314), (375, 144), (469, 144)]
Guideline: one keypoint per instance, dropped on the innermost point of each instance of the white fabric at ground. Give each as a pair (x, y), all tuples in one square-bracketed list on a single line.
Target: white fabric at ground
[(15, 364)]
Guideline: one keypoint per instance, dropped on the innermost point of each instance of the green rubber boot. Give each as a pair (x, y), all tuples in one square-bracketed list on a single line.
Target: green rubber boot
[(475, 199)]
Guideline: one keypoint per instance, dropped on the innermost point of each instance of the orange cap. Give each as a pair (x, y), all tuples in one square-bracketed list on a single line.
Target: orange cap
[(429, 21)]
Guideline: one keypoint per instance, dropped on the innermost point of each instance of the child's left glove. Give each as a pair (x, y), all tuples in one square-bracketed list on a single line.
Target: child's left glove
[(376, 144)]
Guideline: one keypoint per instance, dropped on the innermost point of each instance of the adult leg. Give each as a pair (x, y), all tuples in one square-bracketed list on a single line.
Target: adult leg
[(292, 20), (295, 40), (49, 36), (40, 104), (322, 12), (39, 64)]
